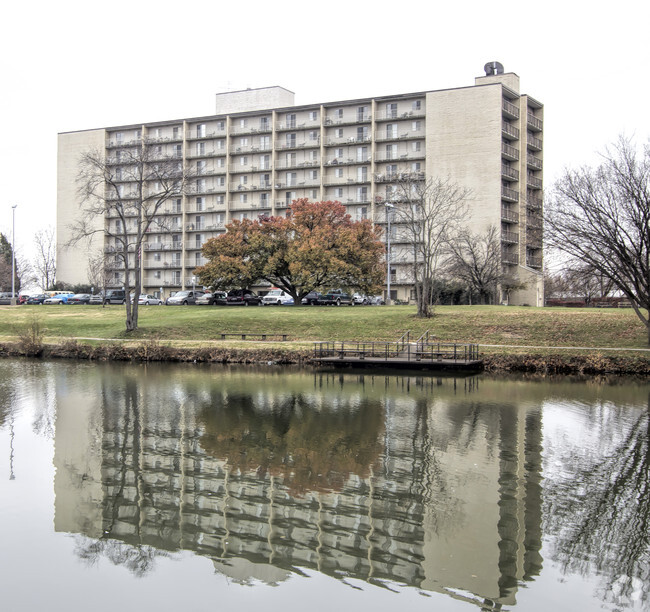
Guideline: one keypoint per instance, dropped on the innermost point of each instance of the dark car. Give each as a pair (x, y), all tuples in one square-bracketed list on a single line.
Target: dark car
[(311, 299), (115, 296), (37, 299), (243, 297), (214, 298), (79, 298), (336, 297)]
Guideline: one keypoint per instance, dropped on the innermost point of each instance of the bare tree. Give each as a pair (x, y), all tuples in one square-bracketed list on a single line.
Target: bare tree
[(427, 215), (600, 217), (475, 260), (98, 272), (127, 192), (45, 260)]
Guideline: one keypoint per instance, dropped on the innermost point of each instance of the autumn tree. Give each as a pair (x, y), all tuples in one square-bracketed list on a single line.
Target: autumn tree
[(475, 260), (317, 246), (121, 199), (427, 215), (600, 217)]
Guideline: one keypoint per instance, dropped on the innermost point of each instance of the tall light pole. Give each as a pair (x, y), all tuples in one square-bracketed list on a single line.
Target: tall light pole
[(13, 254), (388, 206)]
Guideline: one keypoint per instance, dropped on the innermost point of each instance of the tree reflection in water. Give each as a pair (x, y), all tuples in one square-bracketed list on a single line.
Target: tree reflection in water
[(600, 517)]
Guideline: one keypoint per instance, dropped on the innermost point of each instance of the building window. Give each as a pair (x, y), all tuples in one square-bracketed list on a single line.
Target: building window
[(313, 115), (243, 180), (243, 161), (362, 113), (175, 133), (200, 148), (416, 146), (178, 150), (416, 126), (220, 181), (362, 174), (220, 162), (338, 133), (417, 105), (264, 123), (176, 205), (243, 123), (338, 113), (362, 154), (313, 175), (338, 172), (338, 192), (265, 162), (313, 135), (157, 257), (243, 198), (291, 120), (391, 110), (243, 141), (200, 204), (313, 194), (221, 125), (200, 167), (221, 144), (200, 130), (292, 179)]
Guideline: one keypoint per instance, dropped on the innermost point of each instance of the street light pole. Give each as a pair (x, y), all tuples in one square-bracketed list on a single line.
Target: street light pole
[(13, 254), (388, 206)]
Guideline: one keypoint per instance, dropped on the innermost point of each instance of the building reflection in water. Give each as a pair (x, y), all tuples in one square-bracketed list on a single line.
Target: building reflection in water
[(430, 483)]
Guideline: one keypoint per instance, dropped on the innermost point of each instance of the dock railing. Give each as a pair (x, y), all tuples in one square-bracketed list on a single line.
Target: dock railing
[(401, 350)]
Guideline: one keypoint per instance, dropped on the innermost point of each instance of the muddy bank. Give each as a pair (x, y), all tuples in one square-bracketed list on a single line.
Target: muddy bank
[(153, 351)]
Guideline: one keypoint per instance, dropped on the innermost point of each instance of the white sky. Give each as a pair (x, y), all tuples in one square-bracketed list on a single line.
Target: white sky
[(73, 65)]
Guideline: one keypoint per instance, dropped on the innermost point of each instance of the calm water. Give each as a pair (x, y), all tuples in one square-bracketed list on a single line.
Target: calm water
[(127, 487)]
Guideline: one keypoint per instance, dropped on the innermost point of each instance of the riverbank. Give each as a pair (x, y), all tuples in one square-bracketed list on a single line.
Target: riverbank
[(592, 363), (511, 339)]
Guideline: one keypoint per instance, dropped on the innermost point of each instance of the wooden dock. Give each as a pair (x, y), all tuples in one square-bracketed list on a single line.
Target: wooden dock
[(423, 354)]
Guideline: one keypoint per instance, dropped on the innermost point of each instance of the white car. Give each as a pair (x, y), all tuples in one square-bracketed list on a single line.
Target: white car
[(149, 300), (277, 297)]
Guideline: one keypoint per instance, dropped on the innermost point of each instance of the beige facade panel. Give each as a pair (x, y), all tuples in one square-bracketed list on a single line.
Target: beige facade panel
[(72, 261)]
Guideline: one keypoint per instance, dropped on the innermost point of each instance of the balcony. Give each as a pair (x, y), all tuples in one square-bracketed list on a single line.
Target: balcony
[(535, 163), (509, 237), (534, 123), (509, 173), (509, 110), (348, 140), (509, 258), (534, 182), (295, 144), (509, 215), (509, 152), (401, 134), (533, 202), (298, 124), (350, 119), (509, 131), (534, 144), (534, 262), (510, 195)]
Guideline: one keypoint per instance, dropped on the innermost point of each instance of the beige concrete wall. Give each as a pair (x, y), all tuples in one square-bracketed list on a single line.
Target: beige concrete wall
[(463, 131), (533, 292), (72, 262), (253, 99)]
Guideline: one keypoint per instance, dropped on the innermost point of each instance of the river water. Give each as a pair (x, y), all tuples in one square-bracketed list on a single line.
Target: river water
[(209, 488)]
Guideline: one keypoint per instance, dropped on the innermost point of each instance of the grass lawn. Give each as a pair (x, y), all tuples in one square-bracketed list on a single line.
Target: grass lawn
[(588, 327)]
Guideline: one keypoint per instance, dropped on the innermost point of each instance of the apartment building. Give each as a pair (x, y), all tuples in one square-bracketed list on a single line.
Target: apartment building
[(260, 151)]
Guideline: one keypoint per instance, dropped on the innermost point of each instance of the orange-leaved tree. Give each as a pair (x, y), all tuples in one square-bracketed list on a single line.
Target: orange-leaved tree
[(316, 246)]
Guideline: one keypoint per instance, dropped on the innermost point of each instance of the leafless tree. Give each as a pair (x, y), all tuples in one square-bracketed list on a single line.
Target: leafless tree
[(475, 260), (126, 192), (45, 260), (600, 217), (427, 214)]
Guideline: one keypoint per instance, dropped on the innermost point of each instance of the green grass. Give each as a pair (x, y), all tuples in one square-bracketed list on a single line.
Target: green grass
[(615, 328)]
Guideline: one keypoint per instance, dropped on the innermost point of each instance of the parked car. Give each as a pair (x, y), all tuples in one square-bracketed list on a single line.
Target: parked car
[(335, 297), (277, 297), (149, 300), (212, 298), (376, 300), (243, 297), (96, 299), (59, 298), (184, 298), (22, 299), (115, 296), (37, 299), (311, 299), (5, 298), (79, 298), (360, 298)]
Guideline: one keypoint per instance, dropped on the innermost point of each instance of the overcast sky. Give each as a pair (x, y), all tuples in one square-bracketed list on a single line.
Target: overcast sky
[(73, 65)]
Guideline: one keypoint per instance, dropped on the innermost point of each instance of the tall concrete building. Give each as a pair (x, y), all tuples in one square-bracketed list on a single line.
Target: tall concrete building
[(260, 151)]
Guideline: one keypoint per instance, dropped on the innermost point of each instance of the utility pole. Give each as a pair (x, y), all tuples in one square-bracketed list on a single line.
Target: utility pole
[(13, 254)]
